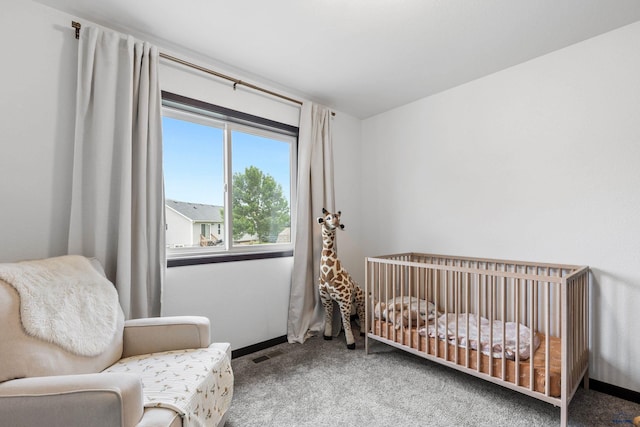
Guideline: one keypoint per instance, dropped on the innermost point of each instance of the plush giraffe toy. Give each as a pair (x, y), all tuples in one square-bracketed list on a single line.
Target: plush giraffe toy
[(335, 282)]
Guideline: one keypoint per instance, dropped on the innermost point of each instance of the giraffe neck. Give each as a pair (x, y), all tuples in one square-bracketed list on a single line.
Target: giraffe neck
[(328, 242)]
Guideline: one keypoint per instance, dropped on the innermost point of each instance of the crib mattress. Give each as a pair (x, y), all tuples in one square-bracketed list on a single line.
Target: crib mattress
[(409, 337)]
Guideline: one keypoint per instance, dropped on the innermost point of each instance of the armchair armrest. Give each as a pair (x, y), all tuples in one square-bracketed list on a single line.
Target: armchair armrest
[(155, 334), (61, 401)]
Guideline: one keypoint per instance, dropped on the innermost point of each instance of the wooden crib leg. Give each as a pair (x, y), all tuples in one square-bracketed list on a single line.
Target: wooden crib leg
[(366, 344), (585, 380)]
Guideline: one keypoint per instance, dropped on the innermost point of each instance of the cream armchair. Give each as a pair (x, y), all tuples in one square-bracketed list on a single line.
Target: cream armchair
[(44, 384)]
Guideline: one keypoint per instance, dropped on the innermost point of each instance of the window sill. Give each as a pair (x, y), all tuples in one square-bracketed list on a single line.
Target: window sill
[(227, 257)]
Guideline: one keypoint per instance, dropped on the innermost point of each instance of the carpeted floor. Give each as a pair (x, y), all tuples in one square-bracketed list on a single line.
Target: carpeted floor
[(321, 383)]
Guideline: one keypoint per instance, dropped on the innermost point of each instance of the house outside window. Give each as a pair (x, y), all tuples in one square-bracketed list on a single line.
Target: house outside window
[(229, 181)]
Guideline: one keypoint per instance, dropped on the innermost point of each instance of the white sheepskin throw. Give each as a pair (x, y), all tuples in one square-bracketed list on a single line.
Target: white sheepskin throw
[(65, 301)]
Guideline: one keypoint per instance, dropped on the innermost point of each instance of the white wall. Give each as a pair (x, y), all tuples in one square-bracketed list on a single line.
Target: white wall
[(37, 108), (246, 301), (348, 190), (537, 162)]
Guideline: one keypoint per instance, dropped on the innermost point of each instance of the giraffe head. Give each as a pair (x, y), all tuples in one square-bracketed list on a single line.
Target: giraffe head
[(330, 221)]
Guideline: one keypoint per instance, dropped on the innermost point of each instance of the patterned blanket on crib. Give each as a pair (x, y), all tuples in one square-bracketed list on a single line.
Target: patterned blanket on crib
[(482, 334), (196, 383)]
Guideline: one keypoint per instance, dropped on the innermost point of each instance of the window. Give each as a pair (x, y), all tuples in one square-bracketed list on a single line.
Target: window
[(229, 182)]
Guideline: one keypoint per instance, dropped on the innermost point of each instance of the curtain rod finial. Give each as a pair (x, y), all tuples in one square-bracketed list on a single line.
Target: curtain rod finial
[(77, 26)]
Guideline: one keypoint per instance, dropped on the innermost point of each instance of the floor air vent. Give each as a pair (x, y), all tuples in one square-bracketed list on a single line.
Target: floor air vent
[(267, 356)]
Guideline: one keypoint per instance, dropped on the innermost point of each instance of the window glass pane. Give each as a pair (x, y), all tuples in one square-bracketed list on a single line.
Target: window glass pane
[(229, 182), (261, 192), (194, 183)]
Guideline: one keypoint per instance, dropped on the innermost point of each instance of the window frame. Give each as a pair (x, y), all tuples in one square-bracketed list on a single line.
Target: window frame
[(178, 107)]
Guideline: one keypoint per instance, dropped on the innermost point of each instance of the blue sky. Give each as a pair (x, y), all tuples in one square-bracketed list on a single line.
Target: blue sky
[(193, 160)]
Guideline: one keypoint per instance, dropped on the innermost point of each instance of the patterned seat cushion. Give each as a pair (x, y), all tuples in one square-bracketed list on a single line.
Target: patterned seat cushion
[(196, 383)]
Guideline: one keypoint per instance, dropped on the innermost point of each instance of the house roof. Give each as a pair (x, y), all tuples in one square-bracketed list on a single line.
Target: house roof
[(197, 212)]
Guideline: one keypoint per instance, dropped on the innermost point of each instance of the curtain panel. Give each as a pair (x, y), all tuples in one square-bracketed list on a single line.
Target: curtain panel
[(117, 206), (315, 191)]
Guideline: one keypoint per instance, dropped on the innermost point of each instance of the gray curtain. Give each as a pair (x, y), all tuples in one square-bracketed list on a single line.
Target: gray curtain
[(117, 206), (315, 191)]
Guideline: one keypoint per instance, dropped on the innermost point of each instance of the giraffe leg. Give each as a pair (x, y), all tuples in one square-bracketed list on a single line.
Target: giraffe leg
[(360, 309), (345, 312), (328, 313)]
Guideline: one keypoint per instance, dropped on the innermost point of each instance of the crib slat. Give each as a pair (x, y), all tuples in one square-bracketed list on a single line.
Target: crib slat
[(478, 297), (531, 337), (437, 302), (430, 297), (490, 303), (547, 352), (467, 351), (401, 273), (394, 281), (517, 320), (504, 325), (444, 275), (455, 311)]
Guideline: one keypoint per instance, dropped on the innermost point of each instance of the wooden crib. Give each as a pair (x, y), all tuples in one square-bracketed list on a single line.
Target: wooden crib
[(486, 317)]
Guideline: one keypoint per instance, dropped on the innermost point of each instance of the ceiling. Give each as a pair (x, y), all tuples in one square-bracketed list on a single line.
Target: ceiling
[(361, 57)]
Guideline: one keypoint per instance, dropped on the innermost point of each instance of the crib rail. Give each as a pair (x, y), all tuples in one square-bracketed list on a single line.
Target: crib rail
[(531, 301)]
